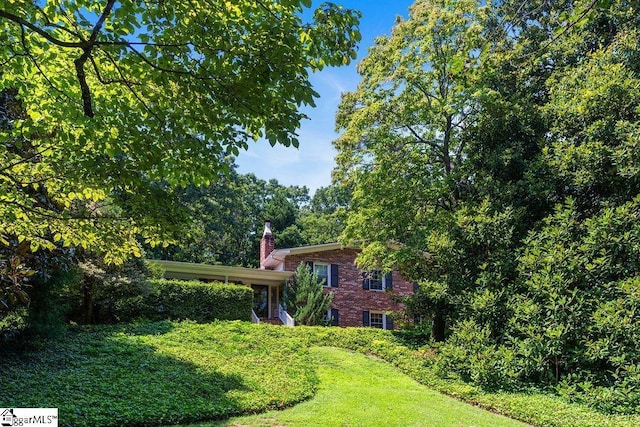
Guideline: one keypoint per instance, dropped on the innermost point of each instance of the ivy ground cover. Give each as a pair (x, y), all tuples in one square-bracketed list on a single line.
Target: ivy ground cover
[(158, 373), (169, 373)]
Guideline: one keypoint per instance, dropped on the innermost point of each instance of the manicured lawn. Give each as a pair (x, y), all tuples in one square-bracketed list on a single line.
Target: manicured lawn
[(167, 373), (356, 390)]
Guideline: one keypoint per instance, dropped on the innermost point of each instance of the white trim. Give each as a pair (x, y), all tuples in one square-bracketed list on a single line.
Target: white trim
[(384, 319), (188, 270), (383, 280), (285, 317), (254, 317)]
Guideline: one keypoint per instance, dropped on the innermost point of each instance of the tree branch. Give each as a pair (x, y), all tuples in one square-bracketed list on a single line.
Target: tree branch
[(35, 28), (86, 53), (37, 65), (25, 159)]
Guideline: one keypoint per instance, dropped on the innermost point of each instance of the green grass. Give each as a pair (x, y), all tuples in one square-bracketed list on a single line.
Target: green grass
[(169, 372), (356, 390)]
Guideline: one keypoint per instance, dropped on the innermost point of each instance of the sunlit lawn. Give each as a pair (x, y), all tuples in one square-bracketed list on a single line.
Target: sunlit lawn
[(356, 390)]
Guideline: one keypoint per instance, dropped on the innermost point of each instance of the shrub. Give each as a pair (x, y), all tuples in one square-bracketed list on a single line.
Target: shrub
[(93, 298), (471, 353), (49, 305), (12, 324), (180, 300), (305, 298)]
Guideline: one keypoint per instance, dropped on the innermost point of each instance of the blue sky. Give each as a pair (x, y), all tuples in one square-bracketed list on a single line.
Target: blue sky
[(311, 164)]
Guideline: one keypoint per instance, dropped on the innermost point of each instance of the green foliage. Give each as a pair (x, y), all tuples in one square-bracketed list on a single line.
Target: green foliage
[(50, 303), (471, 353), (580, 303), (93, 298), (181, 300), (104, 107), (12, 324), (159, 373), (101, 375), (324, 219), (403, 146), (305, 298), (226, 219), (32, 289), (502, 140)]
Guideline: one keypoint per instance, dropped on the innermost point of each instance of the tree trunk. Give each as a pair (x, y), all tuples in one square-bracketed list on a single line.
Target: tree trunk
[(437, 328), (88, 303)]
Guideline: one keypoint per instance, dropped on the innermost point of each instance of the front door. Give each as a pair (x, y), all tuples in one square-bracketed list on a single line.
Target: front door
[(261, 300)]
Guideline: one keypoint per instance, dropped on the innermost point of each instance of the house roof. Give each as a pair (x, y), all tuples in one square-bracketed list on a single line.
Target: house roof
[(275, 260), (188, 270)]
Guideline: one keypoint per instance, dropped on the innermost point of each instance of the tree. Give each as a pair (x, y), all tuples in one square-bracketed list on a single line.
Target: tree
[(578, 267), (224, 221), (403, 146), (101, 101), (107, 106), (324, 219), (306, 299)]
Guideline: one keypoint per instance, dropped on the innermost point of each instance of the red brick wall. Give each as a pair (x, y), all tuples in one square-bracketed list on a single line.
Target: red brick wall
[(349, 297)]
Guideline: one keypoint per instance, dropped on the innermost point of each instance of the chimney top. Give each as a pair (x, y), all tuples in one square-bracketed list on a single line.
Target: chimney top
[(267, 228), (267, 243)]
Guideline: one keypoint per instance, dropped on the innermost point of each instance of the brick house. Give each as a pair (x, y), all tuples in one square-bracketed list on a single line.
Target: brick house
[(361, 298)]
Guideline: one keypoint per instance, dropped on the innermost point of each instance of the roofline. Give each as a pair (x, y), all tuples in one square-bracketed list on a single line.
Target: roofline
[(276, 257), (225, 273)]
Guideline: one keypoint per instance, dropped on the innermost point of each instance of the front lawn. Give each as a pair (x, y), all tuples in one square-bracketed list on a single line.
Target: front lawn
[(159, 373), (356, 390), (178, 373)]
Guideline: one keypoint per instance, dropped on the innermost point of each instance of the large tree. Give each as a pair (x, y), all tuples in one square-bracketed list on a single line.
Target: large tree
[(100, 101), (403, 145)]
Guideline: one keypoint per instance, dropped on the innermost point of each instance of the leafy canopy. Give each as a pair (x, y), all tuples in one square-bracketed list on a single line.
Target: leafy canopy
[(101, 101)]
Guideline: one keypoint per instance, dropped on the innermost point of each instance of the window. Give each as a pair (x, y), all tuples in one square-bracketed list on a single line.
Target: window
[(377, 319), (376, 281), (322, 270), (332, 317)]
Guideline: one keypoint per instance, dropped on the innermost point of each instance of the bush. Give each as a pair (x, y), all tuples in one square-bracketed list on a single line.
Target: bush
[(12, 324), (471, 353), (180, 300), (50, 305), (93, 298)]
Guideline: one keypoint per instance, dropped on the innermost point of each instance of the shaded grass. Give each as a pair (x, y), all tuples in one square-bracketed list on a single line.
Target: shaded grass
[(158, 373), (168, 373), (356, 390)]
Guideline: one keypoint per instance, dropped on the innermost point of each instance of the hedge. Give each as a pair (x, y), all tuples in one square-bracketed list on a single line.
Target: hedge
[(192, 300)]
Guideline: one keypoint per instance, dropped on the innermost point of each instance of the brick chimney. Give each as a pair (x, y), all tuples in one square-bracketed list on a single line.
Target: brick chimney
[(267, 244)]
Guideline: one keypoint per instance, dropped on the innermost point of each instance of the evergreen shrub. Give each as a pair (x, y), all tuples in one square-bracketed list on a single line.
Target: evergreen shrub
[(181, 300)]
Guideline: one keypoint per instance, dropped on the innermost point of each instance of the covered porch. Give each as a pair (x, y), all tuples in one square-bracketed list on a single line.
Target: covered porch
[(267, 285)]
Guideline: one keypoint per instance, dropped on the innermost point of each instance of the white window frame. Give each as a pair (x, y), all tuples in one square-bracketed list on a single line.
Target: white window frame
[(327, 282), (381, 280), (383, 325)]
